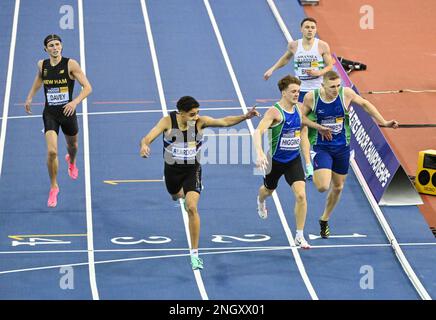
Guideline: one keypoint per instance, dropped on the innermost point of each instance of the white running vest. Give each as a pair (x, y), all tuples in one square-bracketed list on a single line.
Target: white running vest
[(308, 60)]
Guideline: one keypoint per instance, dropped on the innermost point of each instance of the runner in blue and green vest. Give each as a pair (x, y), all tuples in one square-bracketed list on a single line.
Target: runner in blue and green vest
[(329, 106), (284, 121)]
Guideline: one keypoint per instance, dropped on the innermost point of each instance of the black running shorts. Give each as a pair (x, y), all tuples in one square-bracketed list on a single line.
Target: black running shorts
[(292, 170), (54, 118), (187, 177)]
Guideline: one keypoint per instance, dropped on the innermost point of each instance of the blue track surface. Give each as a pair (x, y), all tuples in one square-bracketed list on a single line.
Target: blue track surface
[(138, 233)]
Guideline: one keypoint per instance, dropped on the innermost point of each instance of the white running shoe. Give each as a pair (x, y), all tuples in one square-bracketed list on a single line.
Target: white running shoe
[(302, 243), (261, 209)]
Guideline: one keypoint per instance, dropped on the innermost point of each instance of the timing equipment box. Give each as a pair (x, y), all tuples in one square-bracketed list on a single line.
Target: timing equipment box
[(425, 180)]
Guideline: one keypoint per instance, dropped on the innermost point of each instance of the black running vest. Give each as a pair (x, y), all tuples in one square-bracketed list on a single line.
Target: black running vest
[(58, 87), (182, 147)]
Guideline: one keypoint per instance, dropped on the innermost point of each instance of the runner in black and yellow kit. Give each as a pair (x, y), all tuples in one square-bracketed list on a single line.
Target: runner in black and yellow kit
[(58, 75), (182, 134)]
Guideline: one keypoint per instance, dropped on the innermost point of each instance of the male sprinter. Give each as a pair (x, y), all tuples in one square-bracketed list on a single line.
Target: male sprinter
[(329, 107), (182, 139), (285, 120), (58, 75)]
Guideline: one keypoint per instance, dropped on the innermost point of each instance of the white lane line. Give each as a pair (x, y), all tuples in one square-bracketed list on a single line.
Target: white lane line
[(133, 112), (419, 287), (159, 84), (288, 232), (136, 250), (163, 103), (8, 83), (354, 235), (131, 259), (333, 246), (279, 19), (291, 241), (202, 249), (88, 196), (219, 251), (228, 62)]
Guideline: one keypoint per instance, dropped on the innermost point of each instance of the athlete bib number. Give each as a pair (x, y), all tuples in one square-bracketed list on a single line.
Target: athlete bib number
[(303, 66), (184, 151), (335, 125), (58, 96), (290, 143)]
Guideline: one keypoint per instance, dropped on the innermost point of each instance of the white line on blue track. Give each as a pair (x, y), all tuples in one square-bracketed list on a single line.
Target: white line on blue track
[(218, 251)]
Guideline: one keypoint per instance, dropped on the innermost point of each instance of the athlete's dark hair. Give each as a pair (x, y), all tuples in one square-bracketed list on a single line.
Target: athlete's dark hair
[(331, 75), (187, 103), (51, 37), (286, 81), (308, 19)]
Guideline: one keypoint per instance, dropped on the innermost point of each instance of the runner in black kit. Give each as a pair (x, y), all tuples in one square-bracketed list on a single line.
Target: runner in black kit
[(182, 138), (58, 74)]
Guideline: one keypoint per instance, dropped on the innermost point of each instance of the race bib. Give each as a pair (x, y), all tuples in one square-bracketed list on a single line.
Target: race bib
[(305, 76), (186, 151), (302, 66), (290, 141), (58, 96), (335, 124)]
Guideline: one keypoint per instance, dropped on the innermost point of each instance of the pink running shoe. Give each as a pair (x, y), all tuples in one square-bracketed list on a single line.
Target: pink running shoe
[(73, 172), (53, 197)]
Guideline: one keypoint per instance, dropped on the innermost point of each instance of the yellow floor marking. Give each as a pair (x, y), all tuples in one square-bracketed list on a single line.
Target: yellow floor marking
[(21, 237)]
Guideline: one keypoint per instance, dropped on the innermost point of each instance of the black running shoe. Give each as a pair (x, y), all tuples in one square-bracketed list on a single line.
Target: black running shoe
[(325, 230)]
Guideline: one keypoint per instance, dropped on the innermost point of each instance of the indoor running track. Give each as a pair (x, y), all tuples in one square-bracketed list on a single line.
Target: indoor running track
[(123, 238)]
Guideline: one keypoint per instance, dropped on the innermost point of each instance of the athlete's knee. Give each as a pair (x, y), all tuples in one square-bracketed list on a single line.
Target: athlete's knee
[(73, 145), (338, 188), (322, 187), (191, 208), (300, 197), (267, 190), (52, 153)]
